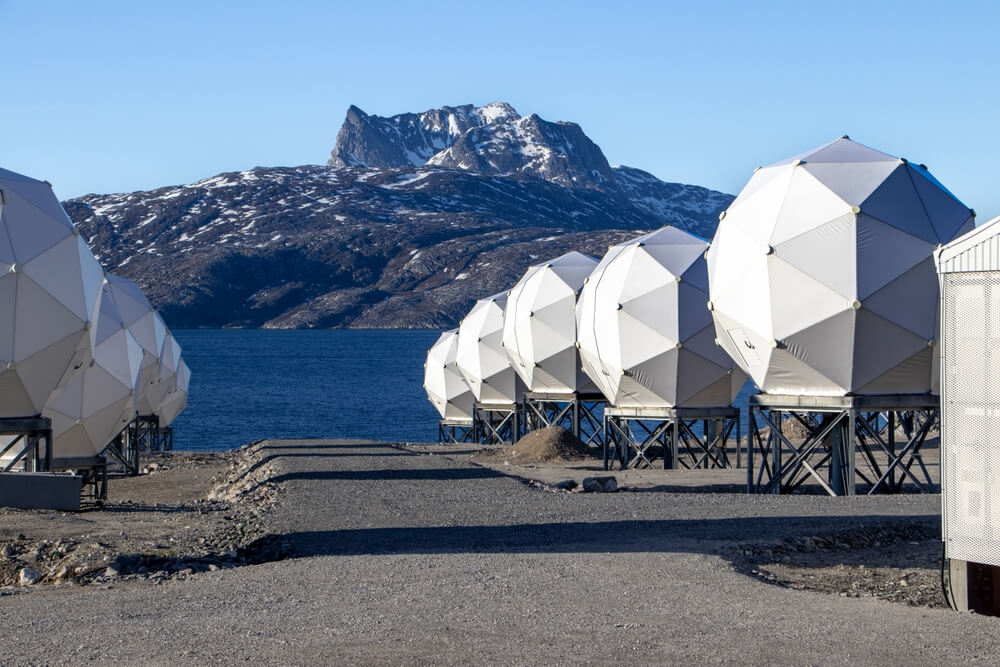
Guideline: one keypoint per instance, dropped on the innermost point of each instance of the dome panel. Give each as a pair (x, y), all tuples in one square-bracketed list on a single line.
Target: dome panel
[(894, 301), (851, 181), (807, 204), (895, 202), (824, 346), (884, 253), (827, 253), (445, 387), (880, 345), (798, 301)]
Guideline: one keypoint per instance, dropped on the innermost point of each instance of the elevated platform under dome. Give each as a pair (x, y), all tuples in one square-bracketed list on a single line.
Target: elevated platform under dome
[(576, 412), (849, 438), (497, 424), (636, 437)]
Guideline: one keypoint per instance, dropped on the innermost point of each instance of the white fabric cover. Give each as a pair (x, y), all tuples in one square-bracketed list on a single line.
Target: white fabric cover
[(166, 374), (175, 402), (646, 338), (100, 401), (481, 358), (821, 276), (444, 384), (50, 290), (149, 330), (539, 329)]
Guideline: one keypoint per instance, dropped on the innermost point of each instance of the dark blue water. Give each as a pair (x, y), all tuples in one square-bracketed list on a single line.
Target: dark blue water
[(248, 385), (253, 384)]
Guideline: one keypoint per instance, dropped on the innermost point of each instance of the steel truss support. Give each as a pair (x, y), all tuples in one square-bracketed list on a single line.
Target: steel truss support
[(30, 450), (93, 469), (455, 431), (496, 424), (577, 413), (841, 440), (682, 437)]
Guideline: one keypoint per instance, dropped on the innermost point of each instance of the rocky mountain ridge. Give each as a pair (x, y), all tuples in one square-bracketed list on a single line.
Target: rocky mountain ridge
[(382, 246)]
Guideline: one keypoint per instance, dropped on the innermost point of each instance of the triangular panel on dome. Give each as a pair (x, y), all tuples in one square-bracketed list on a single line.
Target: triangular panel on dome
[(8, 301), (658, 310), (732, 299), (881, 345), (913, 375), (53, 271), (825, 345), (918, 314), (808, 204), (37, 194), (718, 394), (787, 374), (694, 374), (642, 274), (846, 150), (31, 230), (884, 253), (896, 202), (692, 304), (947, 214), (761, 178), (851, 181), (820, 253), (798, 301), (47, 369), (659, 375), (640, 342), (756, 215), (40, 320)]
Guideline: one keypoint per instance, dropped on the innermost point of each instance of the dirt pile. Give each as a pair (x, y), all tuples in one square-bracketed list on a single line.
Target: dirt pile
[(550, 444)]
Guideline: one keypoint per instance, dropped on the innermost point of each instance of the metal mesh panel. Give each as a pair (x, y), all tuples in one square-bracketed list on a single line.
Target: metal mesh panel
[(970, 402)]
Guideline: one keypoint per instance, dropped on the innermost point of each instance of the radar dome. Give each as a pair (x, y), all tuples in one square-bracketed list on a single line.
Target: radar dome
[(539, 329), (646, 338), (444, 384), (821, 276), (481, 358)]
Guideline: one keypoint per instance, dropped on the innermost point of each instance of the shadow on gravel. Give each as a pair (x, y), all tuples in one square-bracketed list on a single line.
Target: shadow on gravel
[(416, 474), (724, 537)]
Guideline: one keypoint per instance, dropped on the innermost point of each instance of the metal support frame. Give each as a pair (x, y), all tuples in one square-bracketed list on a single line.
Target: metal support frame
[(577, 413), (635, 437), (93, 469), (840, 434), (455, 431), (124, 450), (31, 448), (495, 424)]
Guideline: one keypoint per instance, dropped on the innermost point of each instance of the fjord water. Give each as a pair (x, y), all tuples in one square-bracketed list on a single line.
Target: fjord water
[(251, 384)]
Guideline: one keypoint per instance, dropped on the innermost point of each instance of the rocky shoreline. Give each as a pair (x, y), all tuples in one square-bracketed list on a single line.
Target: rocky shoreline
[(200, 512)]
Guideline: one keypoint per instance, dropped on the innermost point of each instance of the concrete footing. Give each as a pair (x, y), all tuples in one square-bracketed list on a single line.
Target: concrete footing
[(40, 490)]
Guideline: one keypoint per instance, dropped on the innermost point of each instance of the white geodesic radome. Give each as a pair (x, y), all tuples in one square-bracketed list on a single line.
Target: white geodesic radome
[(444, 384), (481, 358), (646, 338), (99, 402), (175, 402), (539, 330), (149, 330), (166, 376), (50, 288), (821, 276)]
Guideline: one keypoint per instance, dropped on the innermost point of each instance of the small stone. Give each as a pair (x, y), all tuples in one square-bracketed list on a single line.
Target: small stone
[(565, 485), (61, 572), (212, 567), (28, 576)]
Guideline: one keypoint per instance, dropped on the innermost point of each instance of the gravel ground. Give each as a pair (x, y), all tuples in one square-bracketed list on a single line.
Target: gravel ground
[(402, 557)]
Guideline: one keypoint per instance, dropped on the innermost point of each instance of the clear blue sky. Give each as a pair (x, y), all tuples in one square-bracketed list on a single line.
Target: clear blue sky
[(120, 96)]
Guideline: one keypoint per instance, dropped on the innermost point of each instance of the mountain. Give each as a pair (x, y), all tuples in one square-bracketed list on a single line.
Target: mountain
[(386, 242)]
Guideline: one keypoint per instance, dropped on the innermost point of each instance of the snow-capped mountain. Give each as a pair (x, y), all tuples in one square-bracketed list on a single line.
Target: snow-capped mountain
[(382, 246)]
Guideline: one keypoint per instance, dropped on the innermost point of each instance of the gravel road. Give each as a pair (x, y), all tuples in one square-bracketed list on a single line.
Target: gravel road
[(410, 558)]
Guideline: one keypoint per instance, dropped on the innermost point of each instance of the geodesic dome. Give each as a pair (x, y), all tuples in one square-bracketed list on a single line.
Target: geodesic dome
[(646, 338), (149, 330), (539, 329), (444, 384), (175, 402), (821, 276), (481, 358), (100, 401), (166, 376), (50, 288)]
